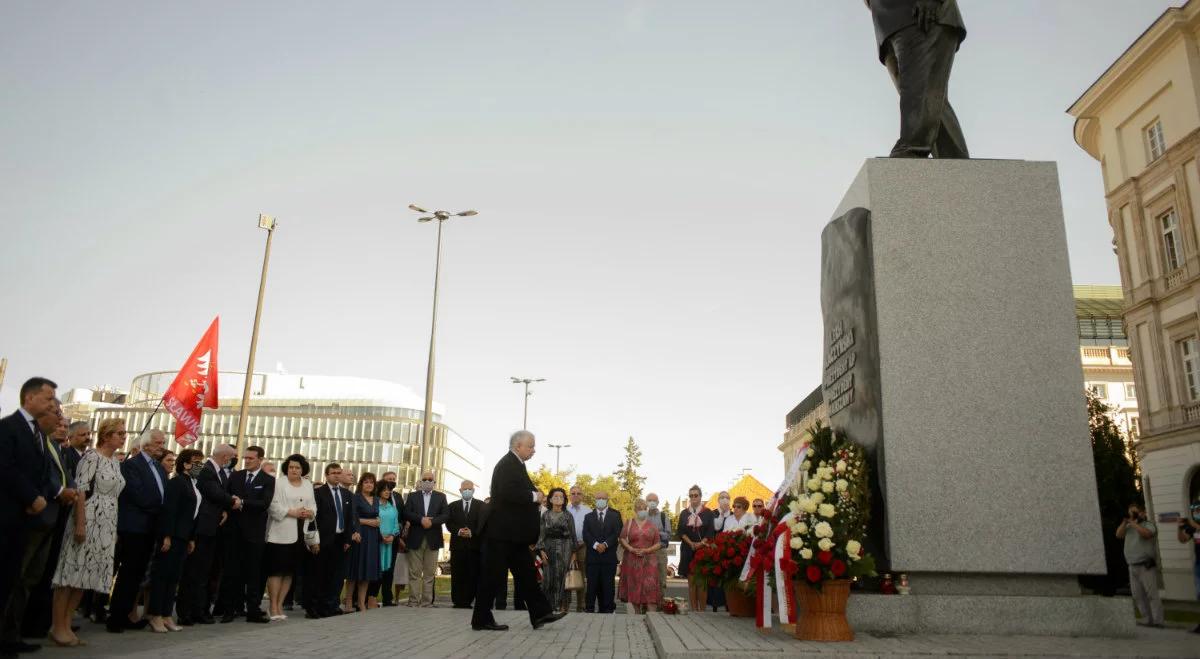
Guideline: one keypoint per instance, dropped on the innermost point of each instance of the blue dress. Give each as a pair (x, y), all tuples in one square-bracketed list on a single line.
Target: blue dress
[(364, 556), (389, 524)]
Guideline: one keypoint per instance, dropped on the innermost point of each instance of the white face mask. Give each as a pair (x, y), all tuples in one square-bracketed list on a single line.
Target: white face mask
[(641, 514), (652, 504), (724, 501)]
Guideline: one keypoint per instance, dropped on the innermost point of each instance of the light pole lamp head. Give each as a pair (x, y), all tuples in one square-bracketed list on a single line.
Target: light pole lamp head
[(467, 213), (266, 222)]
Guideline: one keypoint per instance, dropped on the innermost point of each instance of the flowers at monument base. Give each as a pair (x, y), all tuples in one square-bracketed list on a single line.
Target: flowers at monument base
[(720, 562), (829, 517)]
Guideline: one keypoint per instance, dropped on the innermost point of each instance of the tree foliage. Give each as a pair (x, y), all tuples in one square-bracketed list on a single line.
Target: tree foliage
[(627, 473), (1116, 487)]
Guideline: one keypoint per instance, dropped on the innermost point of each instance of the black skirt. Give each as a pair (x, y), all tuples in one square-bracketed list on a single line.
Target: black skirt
[(283, 560)]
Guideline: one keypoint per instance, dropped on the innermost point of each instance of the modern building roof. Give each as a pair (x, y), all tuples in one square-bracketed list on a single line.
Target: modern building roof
[(1098, 301)]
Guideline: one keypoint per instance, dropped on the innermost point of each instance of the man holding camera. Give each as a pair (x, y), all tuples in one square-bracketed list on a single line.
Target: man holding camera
[(1138, 533)]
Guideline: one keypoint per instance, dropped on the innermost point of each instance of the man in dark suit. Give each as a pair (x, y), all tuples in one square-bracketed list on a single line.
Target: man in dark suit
[(917, 40), (41, 467), (79, 438), (215, 503), (601, 527), (336, 520), (511, 529), (241, 580), (138, 508), (463, 522), (425, 511)]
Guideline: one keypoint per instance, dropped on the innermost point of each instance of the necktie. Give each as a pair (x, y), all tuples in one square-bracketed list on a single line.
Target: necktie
[(467, 509), (53, 453), (601, 519), (249, 478), (337, 505)]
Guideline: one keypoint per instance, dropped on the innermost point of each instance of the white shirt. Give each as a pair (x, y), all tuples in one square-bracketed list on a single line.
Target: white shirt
[(719, 519), (196, 512), (577, 514), (732, 524), (426, 496)]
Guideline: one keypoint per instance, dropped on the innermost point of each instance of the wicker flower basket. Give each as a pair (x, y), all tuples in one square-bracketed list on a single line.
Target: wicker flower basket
[(823, 612), (739, 602)]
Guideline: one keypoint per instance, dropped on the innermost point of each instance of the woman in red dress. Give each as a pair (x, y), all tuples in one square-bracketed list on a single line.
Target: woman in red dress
[(639, 569)]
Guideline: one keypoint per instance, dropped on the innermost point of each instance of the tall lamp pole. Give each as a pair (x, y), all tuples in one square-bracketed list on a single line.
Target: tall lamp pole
[(427, 420), (264, 222), (557, 450), (526, 382)]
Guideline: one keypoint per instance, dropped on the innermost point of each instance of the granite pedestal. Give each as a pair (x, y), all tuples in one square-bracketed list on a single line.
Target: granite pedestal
[(951, 352)]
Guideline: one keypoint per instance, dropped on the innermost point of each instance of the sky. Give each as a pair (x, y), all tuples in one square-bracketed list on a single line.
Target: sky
[(651, 178)]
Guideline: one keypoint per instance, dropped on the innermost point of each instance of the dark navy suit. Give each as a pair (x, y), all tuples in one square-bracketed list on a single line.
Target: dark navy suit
[(138, 508), (601, 568)]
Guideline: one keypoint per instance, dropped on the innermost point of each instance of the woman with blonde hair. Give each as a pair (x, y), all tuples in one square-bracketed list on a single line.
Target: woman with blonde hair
[(90, 539)]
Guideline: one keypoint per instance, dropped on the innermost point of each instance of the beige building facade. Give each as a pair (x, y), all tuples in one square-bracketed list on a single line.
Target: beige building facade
[(1141, 121)]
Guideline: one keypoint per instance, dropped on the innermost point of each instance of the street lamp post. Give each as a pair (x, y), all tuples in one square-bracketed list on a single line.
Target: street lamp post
[(428, 216), (557, 450), (526, 382), (264, 222)]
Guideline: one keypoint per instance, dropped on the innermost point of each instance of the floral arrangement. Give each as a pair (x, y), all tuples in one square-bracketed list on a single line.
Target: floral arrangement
[(719, 563), (829, 518)]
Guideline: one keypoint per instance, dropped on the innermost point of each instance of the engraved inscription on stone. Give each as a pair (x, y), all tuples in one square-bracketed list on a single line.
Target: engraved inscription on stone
[(839, 368)]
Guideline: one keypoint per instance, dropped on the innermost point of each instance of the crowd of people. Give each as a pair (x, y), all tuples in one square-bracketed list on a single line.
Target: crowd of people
[(151, 539)]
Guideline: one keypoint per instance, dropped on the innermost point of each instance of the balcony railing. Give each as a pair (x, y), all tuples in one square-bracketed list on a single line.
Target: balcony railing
[(1175, 277), (1191, 412)]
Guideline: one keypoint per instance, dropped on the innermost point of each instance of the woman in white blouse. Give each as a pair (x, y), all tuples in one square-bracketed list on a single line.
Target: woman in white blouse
[(740, 520), (290, 529)]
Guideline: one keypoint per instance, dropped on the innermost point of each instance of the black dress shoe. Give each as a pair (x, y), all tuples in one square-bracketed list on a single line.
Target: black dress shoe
[(74, 628), (114, 629), (492, 627), (547, 619), (228, 617), (457, 606), (313, 615), (206, 620), (19, 646), (257, 616), (139, 624), (185, 621)]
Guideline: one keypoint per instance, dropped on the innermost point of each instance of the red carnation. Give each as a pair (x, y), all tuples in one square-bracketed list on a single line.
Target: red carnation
[(838, 568), (824, 557), (729, 552), (813, 573)]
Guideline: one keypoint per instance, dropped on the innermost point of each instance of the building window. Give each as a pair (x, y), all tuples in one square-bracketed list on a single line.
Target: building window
[(1171, 242), (1134, 430), (1189, 354), (1098, 389), (1130, 391), (1155, 143)]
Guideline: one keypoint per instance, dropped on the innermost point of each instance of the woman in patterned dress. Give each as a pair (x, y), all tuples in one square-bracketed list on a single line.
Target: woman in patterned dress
[(90, 538), (639, 569), (556, 543)]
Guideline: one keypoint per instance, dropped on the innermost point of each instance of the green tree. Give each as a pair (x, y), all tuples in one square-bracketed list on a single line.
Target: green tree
[(618, 498), (544, 479), (627, 472), (1116, 488)]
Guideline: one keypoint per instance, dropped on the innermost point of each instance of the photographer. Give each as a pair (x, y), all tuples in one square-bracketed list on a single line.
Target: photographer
[(1138, 533), (1189, 531)]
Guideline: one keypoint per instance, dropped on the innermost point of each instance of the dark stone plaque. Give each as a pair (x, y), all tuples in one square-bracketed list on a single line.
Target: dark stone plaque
[(850, 376)]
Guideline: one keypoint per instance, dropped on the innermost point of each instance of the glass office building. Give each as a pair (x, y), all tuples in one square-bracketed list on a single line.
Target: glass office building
[(362, 424)]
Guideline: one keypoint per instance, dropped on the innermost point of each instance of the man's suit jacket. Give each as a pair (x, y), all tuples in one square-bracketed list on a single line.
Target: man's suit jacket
[(891, 16), (24, 470), (140, 501), (178, 517), (512, 515), (594, 532), (215, 499), (70, 460), (458, 519), (414, 510), (256, 497), (327, 516)]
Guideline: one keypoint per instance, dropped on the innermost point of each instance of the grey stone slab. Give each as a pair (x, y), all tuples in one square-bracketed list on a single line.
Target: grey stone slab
[(984, 440)]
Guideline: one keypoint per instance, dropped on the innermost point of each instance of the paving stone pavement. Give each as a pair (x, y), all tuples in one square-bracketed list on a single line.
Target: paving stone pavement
[(708, 636), (398, 631)]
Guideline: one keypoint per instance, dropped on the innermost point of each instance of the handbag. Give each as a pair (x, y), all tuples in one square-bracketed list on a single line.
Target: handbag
[(574, 578)]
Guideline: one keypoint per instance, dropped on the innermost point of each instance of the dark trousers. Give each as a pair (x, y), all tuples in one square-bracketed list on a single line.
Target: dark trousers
[(31, 564), (12, 551), (37, 611), (242, 580), (464, 576), (919, 63), (166, 569), (499, 558), (324, 577), (134, 550), (600, 579), (387, 591), (193, 588)]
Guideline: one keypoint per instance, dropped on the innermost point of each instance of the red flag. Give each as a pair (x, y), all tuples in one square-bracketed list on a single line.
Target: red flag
[(195, 387)]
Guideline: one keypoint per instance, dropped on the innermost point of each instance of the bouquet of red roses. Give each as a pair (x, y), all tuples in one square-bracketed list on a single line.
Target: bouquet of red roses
[(719, 562)]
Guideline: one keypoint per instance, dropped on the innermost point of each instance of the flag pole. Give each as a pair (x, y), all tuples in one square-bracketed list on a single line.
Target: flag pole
[(264, 222), (152, 414)]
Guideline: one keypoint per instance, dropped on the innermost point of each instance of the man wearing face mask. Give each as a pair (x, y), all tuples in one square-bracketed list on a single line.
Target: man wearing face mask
[(1189, 533), (659, 519), (601, 527), (1138, 533), (462, 521), (426, 511)]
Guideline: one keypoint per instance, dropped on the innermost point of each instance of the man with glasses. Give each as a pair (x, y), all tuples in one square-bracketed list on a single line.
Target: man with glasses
[(426, 510), (579, 510)]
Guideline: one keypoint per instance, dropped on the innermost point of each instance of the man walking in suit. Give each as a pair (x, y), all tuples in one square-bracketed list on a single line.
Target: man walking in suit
[(241, 580), (917, 41), (463, 524), (215, 500), (601, 527), (426, 511), (138, 507), (336, 519), (46, 474), (512, 527)]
